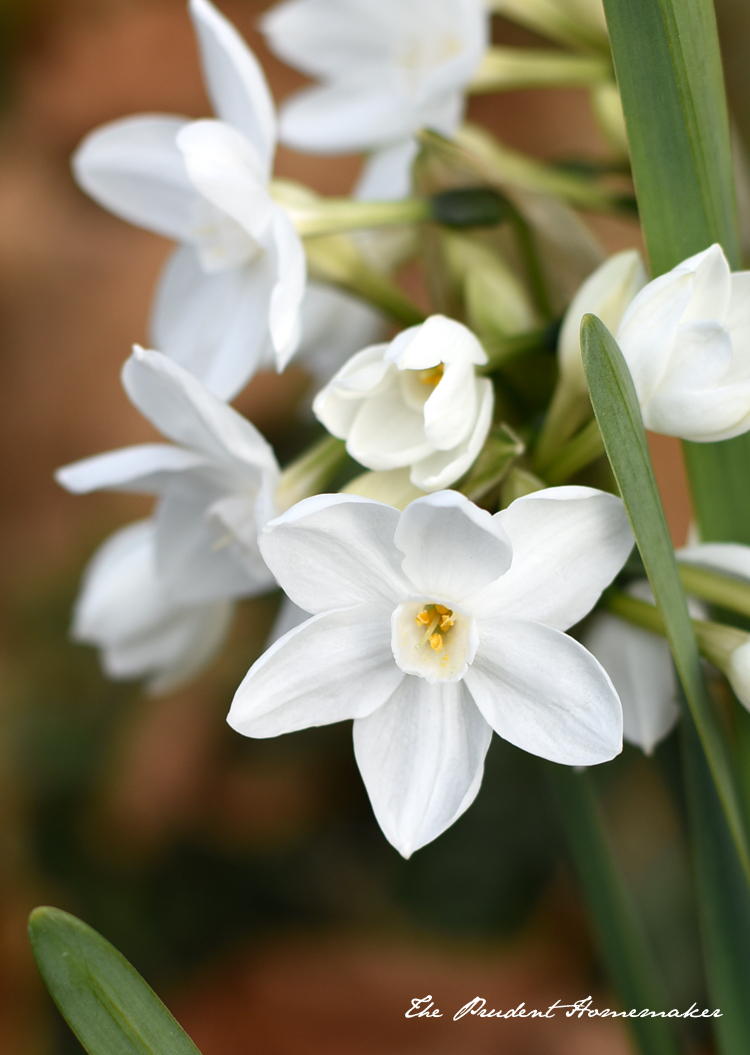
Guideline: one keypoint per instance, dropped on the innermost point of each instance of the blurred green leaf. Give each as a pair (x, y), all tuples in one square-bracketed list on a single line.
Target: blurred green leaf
[(105, 1001)]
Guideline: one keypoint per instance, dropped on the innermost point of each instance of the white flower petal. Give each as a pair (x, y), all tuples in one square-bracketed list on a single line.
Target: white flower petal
[(568, 545), (235, 81), (123, 610), (185, 411), (387, 434), (437, 340), (648, 328), (451, 410), (214, 325), (543, 692), (346, 117), (333, 551), (445, 467), (334, 326), (146, 469), (226, 169), (451, 547), (640, 666), (198, 560), (711, 286), (335, 666), (386, 175), (606, 293), (421, 756), (287, 257), (133, 168)]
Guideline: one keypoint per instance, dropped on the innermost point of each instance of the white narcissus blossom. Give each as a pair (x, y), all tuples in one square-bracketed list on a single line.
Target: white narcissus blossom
[(431, 628), (414, 402), (126, 612), (388, 70), (215, 489), (686, 340), (228, 301)]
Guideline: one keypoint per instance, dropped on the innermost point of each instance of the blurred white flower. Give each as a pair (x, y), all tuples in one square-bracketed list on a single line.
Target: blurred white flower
[(125, 611), (229, 298), (334, 326), (686, 340), (640, 663), (414, 402), (431, 628), (388, 70), (215, 490)]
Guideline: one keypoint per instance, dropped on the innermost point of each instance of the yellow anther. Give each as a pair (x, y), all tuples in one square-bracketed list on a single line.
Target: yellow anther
[(424, 618), (431, 376), (442, 610), (436, 642), (446, 622)]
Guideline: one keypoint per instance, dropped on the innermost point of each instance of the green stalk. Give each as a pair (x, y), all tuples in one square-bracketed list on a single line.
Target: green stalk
[(618, 927), (504, 69), (585, 447)]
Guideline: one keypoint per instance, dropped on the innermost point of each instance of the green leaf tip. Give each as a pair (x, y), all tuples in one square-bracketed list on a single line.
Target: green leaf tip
[(107, 1004)]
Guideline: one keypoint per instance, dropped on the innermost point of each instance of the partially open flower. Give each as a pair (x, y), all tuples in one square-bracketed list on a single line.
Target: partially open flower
[(686, 340), (414, 402)]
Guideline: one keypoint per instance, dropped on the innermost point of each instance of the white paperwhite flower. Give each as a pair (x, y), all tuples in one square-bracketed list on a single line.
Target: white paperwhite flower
[(388, 69), (414, 402), (431, 628), (334, 326), (686, 340), (229, 298), (125, 611), (215, 490)]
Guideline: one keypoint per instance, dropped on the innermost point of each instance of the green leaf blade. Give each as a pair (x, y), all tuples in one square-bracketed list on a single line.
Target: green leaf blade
[(618, 413), (104, 1000)]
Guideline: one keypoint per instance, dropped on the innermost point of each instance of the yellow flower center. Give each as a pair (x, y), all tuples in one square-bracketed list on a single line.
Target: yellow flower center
[(438, 620), (432, 376)]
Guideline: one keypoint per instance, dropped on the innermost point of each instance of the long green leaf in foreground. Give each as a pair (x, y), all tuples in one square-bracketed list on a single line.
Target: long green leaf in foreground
[(723, 902), (105, 1001), (616, 922), (618, 413)]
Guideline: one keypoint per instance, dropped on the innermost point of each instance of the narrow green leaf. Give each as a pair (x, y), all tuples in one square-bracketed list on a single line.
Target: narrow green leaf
[(618, 926), (668, 68), (618, 413), (105, 1001), (724, 904)]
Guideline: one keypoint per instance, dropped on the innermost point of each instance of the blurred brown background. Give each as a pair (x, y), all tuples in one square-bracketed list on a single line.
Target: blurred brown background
[(247, 881)]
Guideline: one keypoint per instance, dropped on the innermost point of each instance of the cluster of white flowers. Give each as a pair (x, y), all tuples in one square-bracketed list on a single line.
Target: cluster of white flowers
[(432, 626)]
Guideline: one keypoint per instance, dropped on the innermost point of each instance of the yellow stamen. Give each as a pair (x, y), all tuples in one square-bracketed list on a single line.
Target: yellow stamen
[(442, 610), (432, 376), (436, 642), (424, 618), (445, 622)]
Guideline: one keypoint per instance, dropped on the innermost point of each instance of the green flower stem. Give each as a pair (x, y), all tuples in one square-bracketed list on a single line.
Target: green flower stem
[(585, 447), (715, 588), (501, 347), (311, 472), (619, 929), (503, 69), (339, 215)]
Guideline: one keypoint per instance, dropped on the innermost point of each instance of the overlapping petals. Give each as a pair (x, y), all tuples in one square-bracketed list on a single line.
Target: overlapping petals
[(229, 300), (215, 489), (686, 340), (124, 610), (416, 637), (414, 402)]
